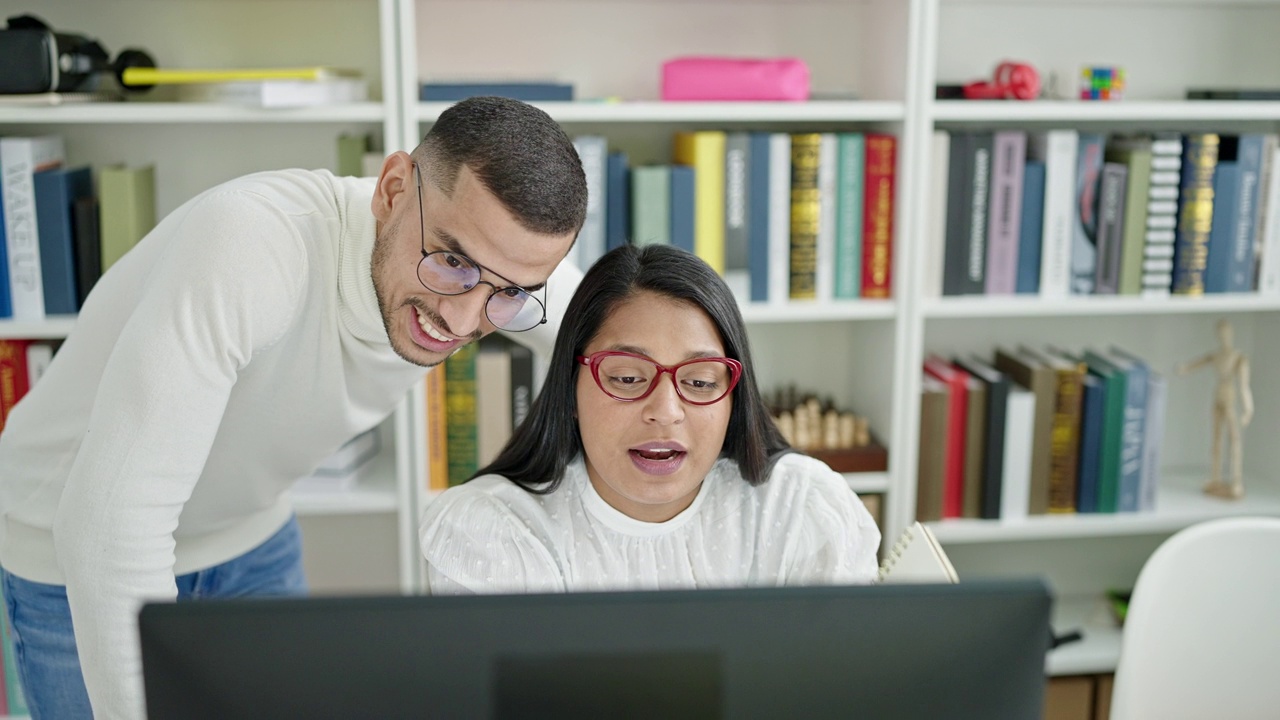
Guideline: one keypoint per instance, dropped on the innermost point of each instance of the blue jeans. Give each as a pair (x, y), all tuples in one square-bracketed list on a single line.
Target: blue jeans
[(45, 646)]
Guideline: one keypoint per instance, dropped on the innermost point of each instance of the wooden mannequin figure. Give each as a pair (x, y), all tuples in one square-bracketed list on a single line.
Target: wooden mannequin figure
[(1232, 368)]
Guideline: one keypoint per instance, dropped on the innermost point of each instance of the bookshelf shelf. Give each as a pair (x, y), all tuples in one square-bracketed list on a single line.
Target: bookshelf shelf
[(180, 112), (1180, 504), (53, 327), (1117, 111), (760, 313), (728, 113), (1031, 306), (374, 492)]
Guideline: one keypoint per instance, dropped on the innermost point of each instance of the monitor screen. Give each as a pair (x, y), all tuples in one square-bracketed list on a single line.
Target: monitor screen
[(972, 650)]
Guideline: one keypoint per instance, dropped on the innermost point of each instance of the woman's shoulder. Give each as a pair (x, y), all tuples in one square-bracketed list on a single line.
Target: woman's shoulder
[(485, 501)]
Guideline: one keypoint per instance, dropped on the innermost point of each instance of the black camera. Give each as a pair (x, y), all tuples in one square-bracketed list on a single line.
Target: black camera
[(36, 59)]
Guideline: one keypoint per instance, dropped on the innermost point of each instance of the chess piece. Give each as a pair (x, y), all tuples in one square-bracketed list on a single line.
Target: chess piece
[(1232, 369)]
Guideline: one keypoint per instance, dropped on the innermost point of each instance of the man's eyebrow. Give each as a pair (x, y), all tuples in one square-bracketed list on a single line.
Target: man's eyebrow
[(453, 245)]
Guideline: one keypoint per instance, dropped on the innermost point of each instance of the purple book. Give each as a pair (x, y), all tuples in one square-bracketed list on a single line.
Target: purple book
[(1009, 159)]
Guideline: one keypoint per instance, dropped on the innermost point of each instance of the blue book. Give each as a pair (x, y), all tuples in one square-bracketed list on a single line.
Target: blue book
[(617, 211), (1226, 190), (1240, 274), (1089, 469), (1134, 430), (682, 200), (56, 192), (1031, 228), (6, 304), (758, 216), (526, 91)]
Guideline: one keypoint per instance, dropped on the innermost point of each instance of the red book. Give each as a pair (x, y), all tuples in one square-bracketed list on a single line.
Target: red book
[(877, 215), (14, 379), (957, 382)]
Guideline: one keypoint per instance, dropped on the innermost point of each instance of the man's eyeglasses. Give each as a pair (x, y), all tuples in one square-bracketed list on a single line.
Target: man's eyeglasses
[(444, 272), (627, 377)]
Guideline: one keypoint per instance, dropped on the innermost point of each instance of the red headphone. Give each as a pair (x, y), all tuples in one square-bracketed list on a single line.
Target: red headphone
[(1012, 81)]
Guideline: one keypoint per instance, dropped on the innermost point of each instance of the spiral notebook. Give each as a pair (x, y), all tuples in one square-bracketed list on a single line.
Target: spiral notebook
[(917, 557)]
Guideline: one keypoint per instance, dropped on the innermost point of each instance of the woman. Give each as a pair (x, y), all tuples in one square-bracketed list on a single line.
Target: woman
[(649, 460)]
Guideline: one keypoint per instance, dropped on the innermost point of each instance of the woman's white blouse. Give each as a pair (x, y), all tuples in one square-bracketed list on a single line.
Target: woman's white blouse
[(804, 526)]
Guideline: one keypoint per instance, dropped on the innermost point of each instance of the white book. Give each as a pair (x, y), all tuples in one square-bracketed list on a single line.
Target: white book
[(1015, 494), (1152, 440), (20, 159), (1057, 149), (779, 217), (592, 150), (935, 250), (917, 557), (1269, 265), (39, 355), (340, 471), (828, 160), (279, 93)]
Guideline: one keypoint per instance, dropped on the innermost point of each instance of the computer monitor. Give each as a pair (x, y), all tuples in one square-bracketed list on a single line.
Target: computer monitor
[(972, 650)]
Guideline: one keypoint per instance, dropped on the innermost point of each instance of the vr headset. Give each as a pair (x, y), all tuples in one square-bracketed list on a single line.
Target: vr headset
[(36, 59)]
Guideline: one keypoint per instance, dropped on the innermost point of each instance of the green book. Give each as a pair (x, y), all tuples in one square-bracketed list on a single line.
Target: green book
[(126, 209), (1134, 153), (462, 439), (351, 150), (651, 205), (1114, 395), (851, 152)]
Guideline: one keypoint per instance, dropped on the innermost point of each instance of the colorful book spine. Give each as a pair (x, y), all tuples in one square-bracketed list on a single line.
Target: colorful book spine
[(56, 191), (1031, 228), (1135, 155), (1114, 396), (758, 220), (737, 165), (1008, 161), (849, 207), (15, 377), (651, 205), (20, 159), (1084, 234), (1110, 234), (779, 217), (805, 215), (1195, 215), (957, 383), (1226, 191), (877, 225), (1091, 427), (437, 422), (1057, 149), (460, 408), (704, 151)]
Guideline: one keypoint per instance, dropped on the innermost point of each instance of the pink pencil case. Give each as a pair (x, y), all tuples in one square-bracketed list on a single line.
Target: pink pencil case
[(722, 78)]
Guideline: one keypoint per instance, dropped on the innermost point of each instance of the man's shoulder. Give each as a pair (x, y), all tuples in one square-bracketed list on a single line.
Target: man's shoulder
[(296, 191)]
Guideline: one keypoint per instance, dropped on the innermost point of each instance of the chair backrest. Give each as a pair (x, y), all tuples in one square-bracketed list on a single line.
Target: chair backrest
[(1203, 626)]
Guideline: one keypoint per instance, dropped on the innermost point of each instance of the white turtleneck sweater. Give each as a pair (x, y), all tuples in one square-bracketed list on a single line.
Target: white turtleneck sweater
[(229, 353)]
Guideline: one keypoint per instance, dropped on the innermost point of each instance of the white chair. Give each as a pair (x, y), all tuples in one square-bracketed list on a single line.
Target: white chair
[(1202, 635)]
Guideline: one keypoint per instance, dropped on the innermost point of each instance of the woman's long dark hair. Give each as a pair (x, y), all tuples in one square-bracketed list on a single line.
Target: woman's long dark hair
[(548, 440)]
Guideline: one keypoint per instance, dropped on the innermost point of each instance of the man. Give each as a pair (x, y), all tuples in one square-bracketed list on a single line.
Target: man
[(256, 329)]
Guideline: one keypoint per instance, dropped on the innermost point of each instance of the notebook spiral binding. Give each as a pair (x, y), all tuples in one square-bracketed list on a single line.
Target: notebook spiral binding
[(894, 553)]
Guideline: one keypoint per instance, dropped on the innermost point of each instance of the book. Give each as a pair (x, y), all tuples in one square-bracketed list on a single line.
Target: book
[(1135, 154), (340, 471), (975, 439), (278, 93), (15, 376), (703, 150), (939, 196), (1233, 94), (460, 413), (850, 175), (1041, 379), (1008, 162), (20, 159), (1114, 395), (877, 220), (1031, 226), (1226, 190), (88, 246), (1195, 217), (436, 418), (57, 191), (779, 217), (957, 384), (1084, 234), (493, 398), (932, 458), (824, 279), (1020, 414), (617, 204), (1160, 232), (651, 205), (524, 90), (593, 151), (1064, 445), (141, 76), (126, 209), (969, 165), (993, 451), (1057, 149), (682, 207), (805, 215), (917, 557), (1111, 227), (759, 210), (737, 183), (1268, 248)]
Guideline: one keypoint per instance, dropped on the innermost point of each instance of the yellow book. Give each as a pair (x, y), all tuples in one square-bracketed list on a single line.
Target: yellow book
[(704, 151), (437, 431), (806, 204), (163, 76)]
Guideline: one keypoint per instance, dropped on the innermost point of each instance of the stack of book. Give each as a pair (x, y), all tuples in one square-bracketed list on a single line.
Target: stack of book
[(258, 87)]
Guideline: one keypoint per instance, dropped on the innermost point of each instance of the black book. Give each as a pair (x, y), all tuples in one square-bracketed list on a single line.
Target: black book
[(997, 405)]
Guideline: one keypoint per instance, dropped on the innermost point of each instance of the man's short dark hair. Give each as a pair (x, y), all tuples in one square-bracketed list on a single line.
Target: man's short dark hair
[(518, 153)]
